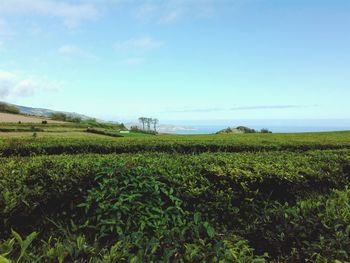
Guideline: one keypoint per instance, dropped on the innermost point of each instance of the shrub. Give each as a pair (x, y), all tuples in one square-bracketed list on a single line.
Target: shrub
[(137, 129), (102, 132), (166, 207), (60, 116), (246, 129), (264, 130)]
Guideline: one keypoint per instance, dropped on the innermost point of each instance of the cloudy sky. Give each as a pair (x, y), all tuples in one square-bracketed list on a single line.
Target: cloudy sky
[(178, 59)]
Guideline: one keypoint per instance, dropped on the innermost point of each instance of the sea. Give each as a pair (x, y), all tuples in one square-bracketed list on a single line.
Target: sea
[(275, 126)]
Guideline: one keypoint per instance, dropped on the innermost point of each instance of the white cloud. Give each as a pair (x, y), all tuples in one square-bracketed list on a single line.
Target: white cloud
[(137, 45), (17, 85), (72, 51), (72, 14), (173, 10)]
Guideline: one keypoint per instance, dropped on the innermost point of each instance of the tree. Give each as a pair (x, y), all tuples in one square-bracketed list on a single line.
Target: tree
[(149, 122), (155, 122), (58, 116), (143, 120)]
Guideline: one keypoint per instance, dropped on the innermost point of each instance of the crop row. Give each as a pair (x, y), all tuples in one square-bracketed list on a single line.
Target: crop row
[(114, 198), (175, 144)]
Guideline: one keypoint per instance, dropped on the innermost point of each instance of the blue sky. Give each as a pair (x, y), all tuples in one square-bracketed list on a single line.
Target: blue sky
[(177, 59)]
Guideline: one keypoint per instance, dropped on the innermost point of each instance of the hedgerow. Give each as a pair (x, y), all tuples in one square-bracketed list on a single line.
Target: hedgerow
[(175, 144), (234, 207)]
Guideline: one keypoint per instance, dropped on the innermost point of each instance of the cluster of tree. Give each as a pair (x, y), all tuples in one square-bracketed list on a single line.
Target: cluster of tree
[(4, 107), (245, 129), (136, 128), (148, 124), (105, 125), (242, 129), (60, 116), (264, 130)]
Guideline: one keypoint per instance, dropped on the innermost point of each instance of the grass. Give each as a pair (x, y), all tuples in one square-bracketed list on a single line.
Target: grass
[(61, 130)]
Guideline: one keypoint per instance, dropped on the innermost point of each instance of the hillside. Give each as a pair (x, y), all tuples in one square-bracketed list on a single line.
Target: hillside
[(42, 112), (15, 118)]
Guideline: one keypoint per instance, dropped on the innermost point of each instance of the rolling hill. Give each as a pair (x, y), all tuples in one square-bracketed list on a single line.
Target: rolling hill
[(42, 112)]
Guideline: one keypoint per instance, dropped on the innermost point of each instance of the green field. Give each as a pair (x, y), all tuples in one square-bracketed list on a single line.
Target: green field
[(67, 195)]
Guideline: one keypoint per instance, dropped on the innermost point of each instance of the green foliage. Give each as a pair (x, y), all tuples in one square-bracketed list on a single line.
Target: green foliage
[(246, 129), (60, 116), (4, 107), (127, 201), (264, 130), (314, 229), (17, 248), (106, 125), (137, 129), (103, 132), (21, 129), (239, 129), (176, 199), (179, 144)]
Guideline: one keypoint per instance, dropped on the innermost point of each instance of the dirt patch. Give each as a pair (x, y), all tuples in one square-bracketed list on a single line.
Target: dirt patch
[(15, 118)]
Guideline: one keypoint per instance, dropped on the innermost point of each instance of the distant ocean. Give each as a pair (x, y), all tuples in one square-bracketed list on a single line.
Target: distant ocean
[(283, 127)]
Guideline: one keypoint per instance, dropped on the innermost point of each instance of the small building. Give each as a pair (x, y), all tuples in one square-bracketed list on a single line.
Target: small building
[(124, 131)]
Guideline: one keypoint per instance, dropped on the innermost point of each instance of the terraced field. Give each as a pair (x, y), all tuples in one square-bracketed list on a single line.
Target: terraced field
[(71, 196), (15, 118)]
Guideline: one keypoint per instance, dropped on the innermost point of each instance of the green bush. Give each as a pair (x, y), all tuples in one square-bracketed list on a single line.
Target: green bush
[(60, 116), (103, 132), (312, 230), (176, 199), (180, 144)]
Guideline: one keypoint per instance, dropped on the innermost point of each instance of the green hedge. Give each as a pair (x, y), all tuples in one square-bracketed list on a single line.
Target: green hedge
[(204, 207), (176, 144)]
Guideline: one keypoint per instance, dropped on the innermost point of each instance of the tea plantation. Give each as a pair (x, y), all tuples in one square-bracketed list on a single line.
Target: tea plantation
[(78, 197)]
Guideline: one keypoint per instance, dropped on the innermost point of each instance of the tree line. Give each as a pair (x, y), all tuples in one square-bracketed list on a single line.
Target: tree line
[(147, 123), (60, 116), (4, 107)]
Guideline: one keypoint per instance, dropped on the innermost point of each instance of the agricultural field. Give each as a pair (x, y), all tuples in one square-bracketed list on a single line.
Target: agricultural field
[(76, 193), (15, 118)]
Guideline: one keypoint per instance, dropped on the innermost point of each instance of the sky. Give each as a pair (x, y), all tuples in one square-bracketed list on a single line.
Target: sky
[(190, 60)]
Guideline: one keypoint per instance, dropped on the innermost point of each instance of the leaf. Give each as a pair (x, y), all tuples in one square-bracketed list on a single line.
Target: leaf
[(17, 237), (4, 260), (210, 230), (24, 244), (7, 247), (197, 218), (29, 239), (134, 259)]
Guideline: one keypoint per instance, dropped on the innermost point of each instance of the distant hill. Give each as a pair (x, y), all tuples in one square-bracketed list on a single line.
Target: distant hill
[(41, 112), (241, 129), (230, 130)]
